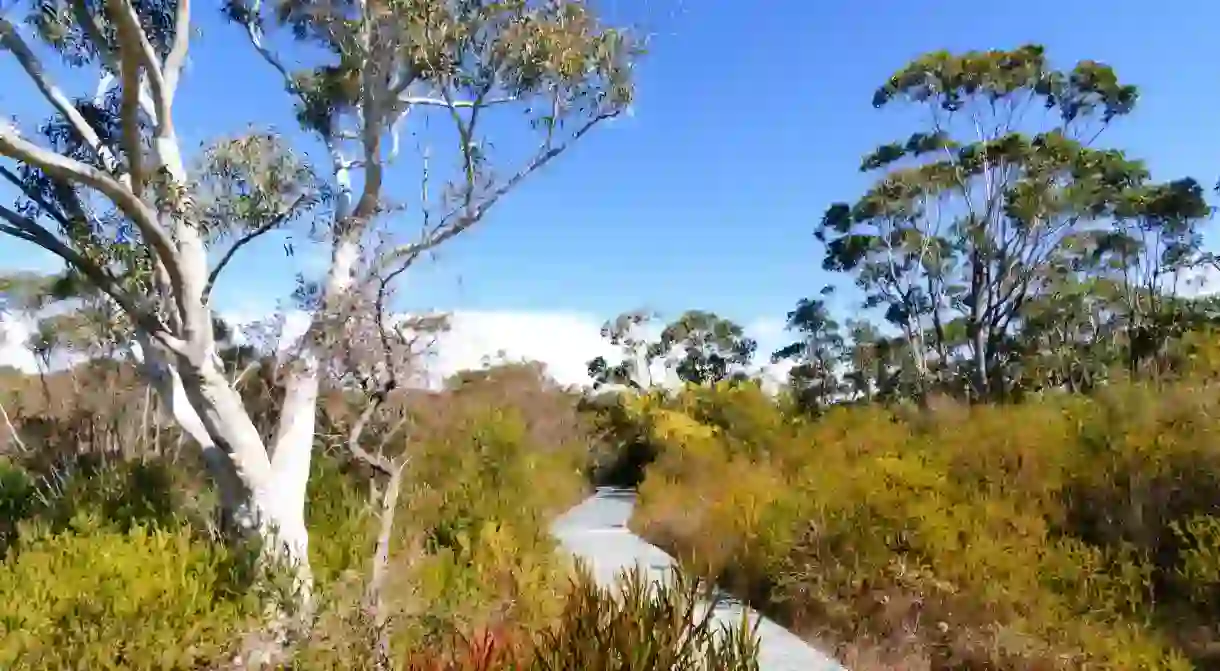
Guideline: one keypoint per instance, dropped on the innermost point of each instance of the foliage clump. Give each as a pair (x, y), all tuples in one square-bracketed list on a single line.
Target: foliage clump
[(1066, 532)]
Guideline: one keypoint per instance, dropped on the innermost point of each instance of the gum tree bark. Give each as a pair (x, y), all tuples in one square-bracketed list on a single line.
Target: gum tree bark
[(147, 249)]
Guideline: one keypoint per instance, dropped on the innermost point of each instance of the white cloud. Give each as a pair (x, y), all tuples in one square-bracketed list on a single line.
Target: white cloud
[(563, 341), (769, 332), (1199, 282), (14, 348)]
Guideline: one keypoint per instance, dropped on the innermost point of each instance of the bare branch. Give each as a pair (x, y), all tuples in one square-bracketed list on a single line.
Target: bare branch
[(12, 430), (377, 462), (255, 33), (177, 55), (466, 215), (424, 101), (246, 239)]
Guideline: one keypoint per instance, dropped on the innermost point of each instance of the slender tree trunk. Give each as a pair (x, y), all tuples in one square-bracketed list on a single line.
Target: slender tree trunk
[(8, 425), (381, 567), (294, 436), (974, 325), (209, 410)]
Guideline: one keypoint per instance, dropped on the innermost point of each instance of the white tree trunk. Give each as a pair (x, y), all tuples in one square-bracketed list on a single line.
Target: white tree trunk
[(261, 497), (211, 412), (290, 460), (293, 446)]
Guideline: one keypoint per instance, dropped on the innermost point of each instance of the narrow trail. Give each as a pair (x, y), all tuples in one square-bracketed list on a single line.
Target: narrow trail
[(596, 531)]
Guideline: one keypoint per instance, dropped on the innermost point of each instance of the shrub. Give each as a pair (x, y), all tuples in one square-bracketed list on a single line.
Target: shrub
[(112, 561), (638, 625), (94, 597), (1060, 533)]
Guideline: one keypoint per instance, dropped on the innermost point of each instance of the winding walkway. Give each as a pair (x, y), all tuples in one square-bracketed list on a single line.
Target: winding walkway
[(596, 531)]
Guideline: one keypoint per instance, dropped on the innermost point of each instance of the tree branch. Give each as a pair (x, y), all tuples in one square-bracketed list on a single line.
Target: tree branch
[(129, 69), (255, 33), (245, 240), (132, 34), (377, 462), (93, 30), (425, 101), (42, 202), (11, 40), (177, 55), (373, 112), (73, 171), (467, 214), (27, 229)]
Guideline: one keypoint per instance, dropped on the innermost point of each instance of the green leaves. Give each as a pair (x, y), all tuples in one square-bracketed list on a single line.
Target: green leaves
[(954, 82), (699, 346), (253, 183), (82, 32), (974, 213), (554, 60), (709, 347)]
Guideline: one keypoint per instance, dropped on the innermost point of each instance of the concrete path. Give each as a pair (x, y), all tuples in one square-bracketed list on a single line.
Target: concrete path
[(596, 531)]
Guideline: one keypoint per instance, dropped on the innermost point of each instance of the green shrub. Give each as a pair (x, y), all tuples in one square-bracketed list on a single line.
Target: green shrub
[(16, 501), (1060, 533), (114, 563), (93, 597)]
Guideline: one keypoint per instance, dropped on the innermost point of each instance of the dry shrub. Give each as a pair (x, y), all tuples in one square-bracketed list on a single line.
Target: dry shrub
[(1064, 533), (97, 408)]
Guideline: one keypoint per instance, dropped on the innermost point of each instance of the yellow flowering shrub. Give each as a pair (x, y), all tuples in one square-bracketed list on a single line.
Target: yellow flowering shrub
[(1069, 532)]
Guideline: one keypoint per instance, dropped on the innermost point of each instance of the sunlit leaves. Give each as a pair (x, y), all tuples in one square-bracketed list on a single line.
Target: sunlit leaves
[(973, 209), (628, 332), (253, 183), (555, 59), (953, 82), (98, 231)]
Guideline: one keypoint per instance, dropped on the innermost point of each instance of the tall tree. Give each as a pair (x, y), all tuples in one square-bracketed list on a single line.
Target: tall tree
[(971, 209), (107, 188), (1150, 254), (816, 355), (637, 353), (705, 348)]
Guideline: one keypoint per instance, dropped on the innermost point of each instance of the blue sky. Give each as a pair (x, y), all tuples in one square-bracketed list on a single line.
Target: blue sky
[(749, 122)]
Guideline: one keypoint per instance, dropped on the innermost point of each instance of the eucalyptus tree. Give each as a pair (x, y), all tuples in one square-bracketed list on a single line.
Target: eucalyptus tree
[(817, 354), (865, 353), (1150, 256), (106, 186), (971, 208), (637, 353), (704, 348)]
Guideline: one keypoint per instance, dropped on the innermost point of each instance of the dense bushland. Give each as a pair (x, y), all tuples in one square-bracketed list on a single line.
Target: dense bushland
[(111, 554), (1065, 532)]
